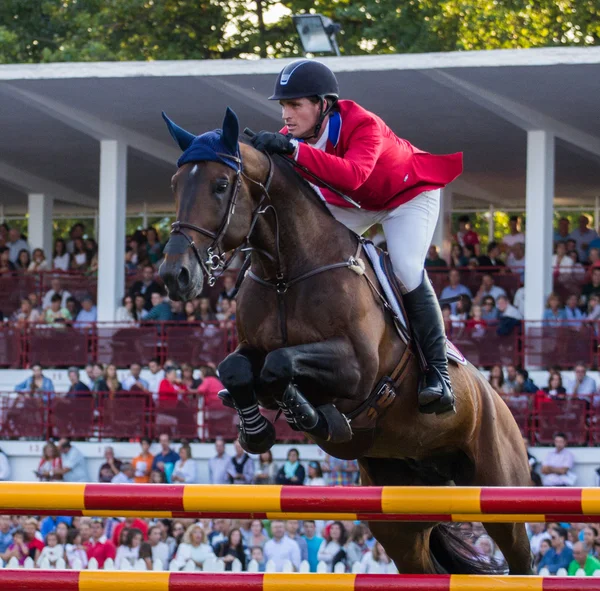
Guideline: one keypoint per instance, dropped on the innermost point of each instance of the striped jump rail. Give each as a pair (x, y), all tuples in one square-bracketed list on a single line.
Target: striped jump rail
[(52, 580), (406, 503)]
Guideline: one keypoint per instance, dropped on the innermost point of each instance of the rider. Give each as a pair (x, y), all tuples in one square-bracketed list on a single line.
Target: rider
[(396, 185)]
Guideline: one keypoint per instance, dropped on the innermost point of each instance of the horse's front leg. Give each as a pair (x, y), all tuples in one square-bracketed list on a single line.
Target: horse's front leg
[(239, 372), (306, 380)]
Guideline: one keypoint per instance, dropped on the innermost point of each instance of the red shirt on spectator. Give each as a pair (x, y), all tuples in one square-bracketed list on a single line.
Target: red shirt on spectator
[(136, 523), (168, 392), (34, 545), (210, 388), (468, 238), (100, 551)]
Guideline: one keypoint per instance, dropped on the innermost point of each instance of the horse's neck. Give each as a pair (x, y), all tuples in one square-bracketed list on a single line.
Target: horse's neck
[(308, 235)]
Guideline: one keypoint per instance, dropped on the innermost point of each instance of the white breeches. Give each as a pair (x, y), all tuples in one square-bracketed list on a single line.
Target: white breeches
[(408, 231)]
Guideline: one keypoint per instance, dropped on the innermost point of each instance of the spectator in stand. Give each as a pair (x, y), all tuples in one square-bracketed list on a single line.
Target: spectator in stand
[(356, 547), (217, 465), (492, 258), (50, 466), (332, 549), (554, 314), (56, 289), (6, 536), (33, 538), (228, 290), (488, 288), (134, 381), (146, 286), (77, 231), (190, 312), (220, 532), (562, 264), (280, 548), (61, 259), (77, 388), (583, 560), (476, 325), (16, 244), (38, 262), (129, 523), (130, 550), (583, 236), (188, 380), (592, 288), (37, 382), (459, 318), (257, 535), (582, 385), (292, 526), (52, 551), (267, 470), (108, 382), (4, 470), (74, 468), (126, 312), (457, 257), (161, 310), (204, 311), (194, 548), (7, 268), (170, 389), (292, 471), (153, 245), (232, 549), (227, 312), (156, 376), (88, 313), (489, 312), (496, 379), (340, 472), (433, 260), (125, 474), (315, 475), (559, 555), (562, 232), (465, 236), (557, 467), (210, 386), (73, 307), (23, 262), (17, 549), (573, 314), (158, 477), (26, 314), (51, 523), (241, 467), (142, 463), (594, 262), (160, 550), (167, 458), (185, 468), (523, 383), (111, 467), (510, 381), (313, 542), (555, 389), (509, 317), (514, 235), (515, 260), (79, 258), (455, 289)]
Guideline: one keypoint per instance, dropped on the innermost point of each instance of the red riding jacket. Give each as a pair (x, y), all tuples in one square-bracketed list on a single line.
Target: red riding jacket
[(367, 161)]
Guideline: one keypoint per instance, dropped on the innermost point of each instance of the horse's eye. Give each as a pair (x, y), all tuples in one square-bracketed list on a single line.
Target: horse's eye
[(221, 186)]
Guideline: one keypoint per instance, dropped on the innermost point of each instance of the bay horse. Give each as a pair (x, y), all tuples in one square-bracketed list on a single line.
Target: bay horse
[(316, 341)]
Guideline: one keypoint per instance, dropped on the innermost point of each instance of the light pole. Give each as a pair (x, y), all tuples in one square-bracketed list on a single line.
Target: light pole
[(317, 33)]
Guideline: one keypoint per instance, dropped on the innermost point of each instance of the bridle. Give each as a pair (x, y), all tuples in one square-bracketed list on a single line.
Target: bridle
[(216, 264)]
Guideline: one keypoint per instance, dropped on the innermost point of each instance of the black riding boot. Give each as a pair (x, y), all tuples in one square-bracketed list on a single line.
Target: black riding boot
[(435, 390)]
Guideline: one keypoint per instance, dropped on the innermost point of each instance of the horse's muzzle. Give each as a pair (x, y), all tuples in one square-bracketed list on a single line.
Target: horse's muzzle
[(182, 276)]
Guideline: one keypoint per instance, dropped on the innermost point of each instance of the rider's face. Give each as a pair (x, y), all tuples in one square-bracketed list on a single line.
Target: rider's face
[(300, 116)]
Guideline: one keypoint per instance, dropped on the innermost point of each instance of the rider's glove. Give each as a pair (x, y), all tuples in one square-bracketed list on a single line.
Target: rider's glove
[(273, 143)]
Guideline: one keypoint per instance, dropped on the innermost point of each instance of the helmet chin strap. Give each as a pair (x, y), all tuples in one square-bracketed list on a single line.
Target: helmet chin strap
[(323, 113)]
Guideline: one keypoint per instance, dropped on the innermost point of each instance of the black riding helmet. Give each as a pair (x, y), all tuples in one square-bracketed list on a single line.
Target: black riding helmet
[(307, 78)]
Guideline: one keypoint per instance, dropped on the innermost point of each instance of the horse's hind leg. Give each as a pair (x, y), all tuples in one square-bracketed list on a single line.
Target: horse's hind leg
[(238, 372)]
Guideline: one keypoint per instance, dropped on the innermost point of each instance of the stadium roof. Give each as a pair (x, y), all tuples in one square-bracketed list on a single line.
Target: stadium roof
[(482, 103)]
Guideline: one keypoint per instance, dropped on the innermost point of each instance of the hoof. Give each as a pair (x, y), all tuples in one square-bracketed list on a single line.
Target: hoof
[(258, 443)]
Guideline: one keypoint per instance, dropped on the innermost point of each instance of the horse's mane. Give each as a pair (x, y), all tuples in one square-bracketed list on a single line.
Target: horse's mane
[(289, 172)]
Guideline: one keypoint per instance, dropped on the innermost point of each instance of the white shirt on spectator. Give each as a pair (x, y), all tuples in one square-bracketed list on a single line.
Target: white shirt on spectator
[(52, 554), (161, 552), (562, 459), (495, 291), (327, 551), (586, 388), (74, 460), (187, 552), (512, 239), (282, 550), (519, 301), (125, 553), (123, 315), (121, 478), (15, 248), (62, 262), (536, 540), (48, 298), (217, 469), (129, 381), (154, 380), (186, 471)]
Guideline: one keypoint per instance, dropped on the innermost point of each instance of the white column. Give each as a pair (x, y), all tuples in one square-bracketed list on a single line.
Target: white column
[(491, 224), (538, 235), (111, 233), (442, 235), (39, 223)]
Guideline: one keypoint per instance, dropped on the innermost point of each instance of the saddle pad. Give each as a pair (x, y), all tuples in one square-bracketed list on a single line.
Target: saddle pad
[(375, 256)]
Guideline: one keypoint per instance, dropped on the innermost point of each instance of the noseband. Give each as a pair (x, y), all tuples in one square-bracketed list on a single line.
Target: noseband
[(216, 263)]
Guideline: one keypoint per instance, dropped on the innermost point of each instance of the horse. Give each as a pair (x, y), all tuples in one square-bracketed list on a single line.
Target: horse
[(316, 341)]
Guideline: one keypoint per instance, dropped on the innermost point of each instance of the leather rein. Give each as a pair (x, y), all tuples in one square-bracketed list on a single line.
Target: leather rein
[(216, 263)]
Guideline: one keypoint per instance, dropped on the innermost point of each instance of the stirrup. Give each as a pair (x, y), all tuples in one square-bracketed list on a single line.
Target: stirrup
[(441, 404)]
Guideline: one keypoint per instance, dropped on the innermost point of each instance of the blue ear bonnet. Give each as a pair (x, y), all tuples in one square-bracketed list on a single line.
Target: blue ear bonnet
[(213, 146)]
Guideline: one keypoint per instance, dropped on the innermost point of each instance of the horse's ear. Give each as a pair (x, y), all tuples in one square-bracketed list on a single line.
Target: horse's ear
[(181, 136), (231, 131)]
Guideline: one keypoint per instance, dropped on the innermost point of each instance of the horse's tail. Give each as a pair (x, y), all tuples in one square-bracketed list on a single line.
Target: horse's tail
[(452, 554)]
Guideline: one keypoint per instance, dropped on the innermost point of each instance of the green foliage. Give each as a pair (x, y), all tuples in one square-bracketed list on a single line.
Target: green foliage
[(33, 31)]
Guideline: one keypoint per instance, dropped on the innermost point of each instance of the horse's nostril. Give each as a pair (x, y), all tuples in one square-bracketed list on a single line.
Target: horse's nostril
[(183, 279)]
